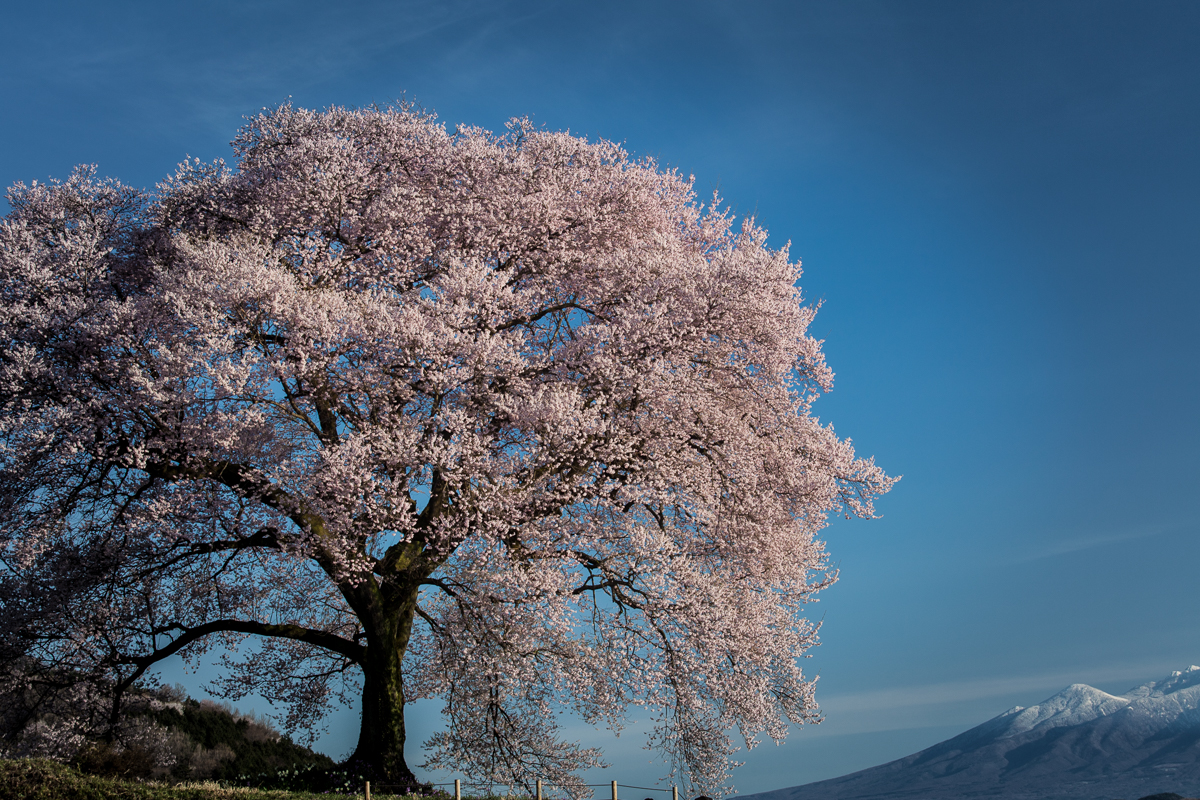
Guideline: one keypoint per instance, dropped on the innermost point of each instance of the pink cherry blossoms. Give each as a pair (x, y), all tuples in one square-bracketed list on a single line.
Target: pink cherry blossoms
[(506, 420)]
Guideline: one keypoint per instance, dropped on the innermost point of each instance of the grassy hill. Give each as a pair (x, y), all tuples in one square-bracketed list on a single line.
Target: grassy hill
[(162, 735), (225, 745)]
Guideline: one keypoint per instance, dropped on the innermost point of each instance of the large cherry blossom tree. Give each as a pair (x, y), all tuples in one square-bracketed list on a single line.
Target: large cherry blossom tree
[(507, 420)]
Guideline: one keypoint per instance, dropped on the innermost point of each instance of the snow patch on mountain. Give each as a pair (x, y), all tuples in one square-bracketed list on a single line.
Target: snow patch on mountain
[(1075, 705), (1175, 682)]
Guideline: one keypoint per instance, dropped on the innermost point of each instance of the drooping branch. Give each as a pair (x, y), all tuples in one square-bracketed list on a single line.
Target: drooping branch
[(242, 479), (267, 537), (249, 483), (189, 634), (350, 650)]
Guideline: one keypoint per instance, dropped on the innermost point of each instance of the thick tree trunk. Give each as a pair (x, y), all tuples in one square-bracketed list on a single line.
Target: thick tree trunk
[(381, 737)]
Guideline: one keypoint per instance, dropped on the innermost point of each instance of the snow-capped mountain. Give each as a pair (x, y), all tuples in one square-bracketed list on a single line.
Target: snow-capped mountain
[(1080, 744)]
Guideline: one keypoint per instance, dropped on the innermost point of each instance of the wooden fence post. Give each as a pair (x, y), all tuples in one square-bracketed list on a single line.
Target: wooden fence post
[(457, 790), (614, 797), (539, 789), (674, 793), (367, 793)]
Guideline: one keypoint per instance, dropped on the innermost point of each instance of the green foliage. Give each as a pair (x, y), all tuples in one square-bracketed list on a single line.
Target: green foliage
[(233, 744)]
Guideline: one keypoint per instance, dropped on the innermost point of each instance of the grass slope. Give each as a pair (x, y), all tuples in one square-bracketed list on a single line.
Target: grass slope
[(42, 779)]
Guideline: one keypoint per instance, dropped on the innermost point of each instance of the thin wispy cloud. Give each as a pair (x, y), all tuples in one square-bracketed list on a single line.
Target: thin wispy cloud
[(984, 688), (1066, 546)]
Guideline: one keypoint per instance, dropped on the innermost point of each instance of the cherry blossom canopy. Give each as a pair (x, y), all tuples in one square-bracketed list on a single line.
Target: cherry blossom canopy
[(509, 420)]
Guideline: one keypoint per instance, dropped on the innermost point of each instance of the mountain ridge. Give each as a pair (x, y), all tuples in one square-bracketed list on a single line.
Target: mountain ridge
[(1079, 744)]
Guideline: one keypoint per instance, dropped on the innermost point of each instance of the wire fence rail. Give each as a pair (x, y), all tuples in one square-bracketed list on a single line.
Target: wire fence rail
[(383, 788)]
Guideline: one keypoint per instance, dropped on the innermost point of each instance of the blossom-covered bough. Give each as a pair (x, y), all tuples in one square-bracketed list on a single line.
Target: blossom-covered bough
[(506, 420)]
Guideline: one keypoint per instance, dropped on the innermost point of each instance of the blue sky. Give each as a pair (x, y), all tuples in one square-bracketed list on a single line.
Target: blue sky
[(998, 204)]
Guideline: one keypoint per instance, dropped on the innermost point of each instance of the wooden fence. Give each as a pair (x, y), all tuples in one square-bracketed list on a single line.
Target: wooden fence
[(382, 788)]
